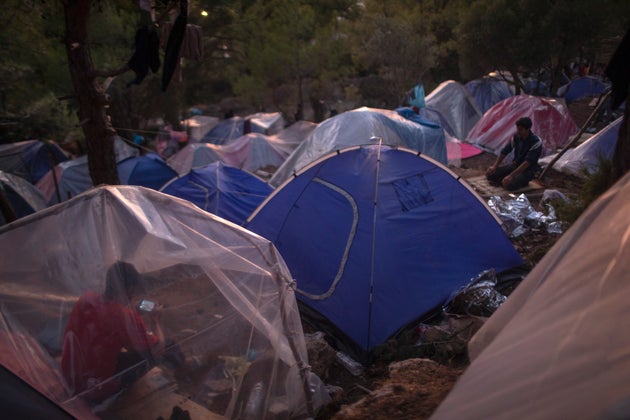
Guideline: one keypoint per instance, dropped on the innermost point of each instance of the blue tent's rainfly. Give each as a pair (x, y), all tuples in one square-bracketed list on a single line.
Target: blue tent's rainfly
[(377, 237), (226, 191), (148, 170)]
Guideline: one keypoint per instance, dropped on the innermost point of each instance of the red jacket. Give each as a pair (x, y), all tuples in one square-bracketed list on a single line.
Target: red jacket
[(96, 332)]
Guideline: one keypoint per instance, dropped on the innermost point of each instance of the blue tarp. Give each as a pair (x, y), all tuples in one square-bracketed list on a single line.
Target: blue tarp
[(377, 237), (226, 191)]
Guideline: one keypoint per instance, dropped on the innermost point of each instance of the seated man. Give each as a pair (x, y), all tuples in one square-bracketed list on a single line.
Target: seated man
[(527, 149), (106, 343)]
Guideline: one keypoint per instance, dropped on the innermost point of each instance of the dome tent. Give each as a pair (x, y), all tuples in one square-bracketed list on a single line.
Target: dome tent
[(30, 159), (23, 197), (72, 177), (220, 189), (558, 347), (587, 157), (362, 126), (551, 119), (228, 305), (148, 170), (582, 87), (488, 91), (194, 155), (455, 107), (253, 152), (371, 234)]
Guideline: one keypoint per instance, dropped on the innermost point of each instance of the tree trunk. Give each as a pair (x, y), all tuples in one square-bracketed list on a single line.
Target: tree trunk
[(90, 95)]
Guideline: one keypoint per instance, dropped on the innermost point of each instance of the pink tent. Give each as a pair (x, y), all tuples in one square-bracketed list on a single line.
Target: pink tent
[(551, 122)]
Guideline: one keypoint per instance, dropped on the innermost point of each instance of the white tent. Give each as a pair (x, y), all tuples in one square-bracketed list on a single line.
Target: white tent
[(290, 138), (198, 126), (587, 156), (253, 152), (559, 347), (236, 347), (457, 110), (359, 127), (194, 155)]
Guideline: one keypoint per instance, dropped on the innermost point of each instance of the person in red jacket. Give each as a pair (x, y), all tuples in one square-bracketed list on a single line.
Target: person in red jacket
[(106, 342)]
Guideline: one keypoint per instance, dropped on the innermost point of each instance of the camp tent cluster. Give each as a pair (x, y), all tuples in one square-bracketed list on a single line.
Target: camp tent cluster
[(356, 223)]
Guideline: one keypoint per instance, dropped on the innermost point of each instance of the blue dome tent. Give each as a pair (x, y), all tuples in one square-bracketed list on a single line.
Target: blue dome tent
[(582, 87), (377, 237), (226, 191), (148, 170)]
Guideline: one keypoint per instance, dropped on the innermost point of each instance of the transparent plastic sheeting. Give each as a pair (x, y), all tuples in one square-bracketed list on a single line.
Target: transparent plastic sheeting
[(519, 216), (234, 341), (362, 126)]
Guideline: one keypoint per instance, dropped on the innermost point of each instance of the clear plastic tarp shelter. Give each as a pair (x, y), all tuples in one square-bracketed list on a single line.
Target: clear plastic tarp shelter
[(234, 345)]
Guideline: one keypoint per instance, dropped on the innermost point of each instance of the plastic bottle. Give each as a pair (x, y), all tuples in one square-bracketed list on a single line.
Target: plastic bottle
[(254, 402), (349, 363)]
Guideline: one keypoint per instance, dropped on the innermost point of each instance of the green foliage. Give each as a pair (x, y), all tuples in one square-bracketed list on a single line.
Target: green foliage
[(594, 185), (390, 41), (288, 42), (112, 33), (43, 118), (274, 54), (527, 35)]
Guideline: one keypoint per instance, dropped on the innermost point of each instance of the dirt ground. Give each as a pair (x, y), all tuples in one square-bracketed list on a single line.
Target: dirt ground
[(410, 380)]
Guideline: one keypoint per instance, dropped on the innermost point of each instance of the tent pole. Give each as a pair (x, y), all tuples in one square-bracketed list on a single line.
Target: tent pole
[(5, 207), (601, 102)]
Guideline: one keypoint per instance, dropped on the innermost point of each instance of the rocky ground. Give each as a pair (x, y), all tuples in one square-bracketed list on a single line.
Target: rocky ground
[(413, 373)]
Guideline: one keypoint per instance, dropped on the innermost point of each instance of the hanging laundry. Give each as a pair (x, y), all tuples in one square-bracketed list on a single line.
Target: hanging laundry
[(146, 55)]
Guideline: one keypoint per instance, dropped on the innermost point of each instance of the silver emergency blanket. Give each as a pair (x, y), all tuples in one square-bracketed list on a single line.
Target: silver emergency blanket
[(519, 216)]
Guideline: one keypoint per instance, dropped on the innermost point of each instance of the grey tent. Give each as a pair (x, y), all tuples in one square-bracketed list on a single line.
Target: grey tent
[(559, 347)]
